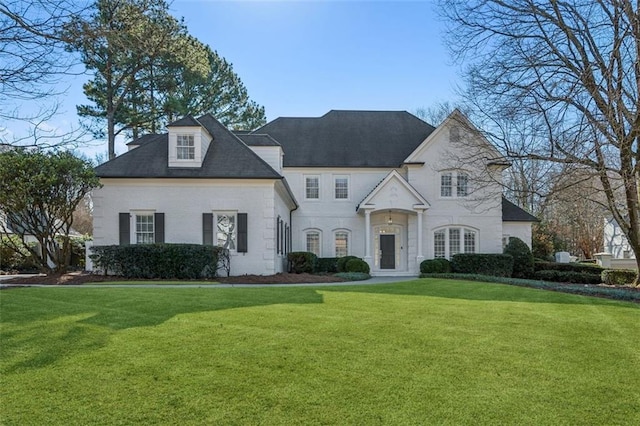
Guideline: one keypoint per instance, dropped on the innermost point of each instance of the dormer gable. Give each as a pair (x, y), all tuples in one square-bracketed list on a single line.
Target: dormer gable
[(188, 143)]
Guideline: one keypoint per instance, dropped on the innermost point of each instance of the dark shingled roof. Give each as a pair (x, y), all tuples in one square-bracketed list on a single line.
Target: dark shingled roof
[(255, 139), (227, 157), (513, 213), (185, 122), (348, 138), (147, 138)]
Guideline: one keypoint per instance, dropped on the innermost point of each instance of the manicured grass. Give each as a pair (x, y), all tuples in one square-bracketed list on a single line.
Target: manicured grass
[(422, 352)]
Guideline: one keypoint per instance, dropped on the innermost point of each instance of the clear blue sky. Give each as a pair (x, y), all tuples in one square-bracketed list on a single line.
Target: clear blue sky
[(305, 58)]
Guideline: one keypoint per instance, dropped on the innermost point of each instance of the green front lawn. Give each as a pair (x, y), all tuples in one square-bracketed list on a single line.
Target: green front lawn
[(422, 352)]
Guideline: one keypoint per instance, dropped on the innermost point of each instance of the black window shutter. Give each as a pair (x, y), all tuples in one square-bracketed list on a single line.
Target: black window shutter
[(158, 219), (207, 229), (242, 233), (278, 235), (125, 229)]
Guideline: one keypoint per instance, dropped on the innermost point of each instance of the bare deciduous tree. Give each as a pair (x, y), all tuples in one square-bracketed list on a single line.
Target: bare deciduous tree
[(573, 68)]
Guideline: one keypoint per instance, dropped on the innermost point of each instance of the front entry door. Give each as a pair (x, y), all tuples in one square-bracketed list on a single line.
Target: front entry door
[(388, 249)]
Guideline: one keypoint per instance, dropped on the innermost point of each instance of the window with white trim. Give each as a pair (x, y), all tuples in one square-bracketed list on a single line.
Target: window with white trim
[(453, 240), (313, 242), (454, 184), (341, 187), (312, 187), (341, 241), (185, 147), (225, 232), (144, 228)]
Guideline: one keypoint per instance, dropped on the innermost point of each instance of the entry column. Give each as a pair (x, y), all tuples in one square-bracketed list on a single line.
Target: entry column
[(367, 237)]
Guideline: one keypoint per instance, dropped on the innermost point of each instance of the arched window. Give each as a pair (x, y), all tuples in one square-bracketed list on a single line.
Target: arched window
[(313, 241), (454, 240), (341, 243)]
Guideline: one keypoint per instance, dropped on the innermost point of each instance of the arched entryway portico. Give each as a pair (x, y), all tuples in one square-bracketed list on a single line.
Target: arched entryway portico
[(393, 214)]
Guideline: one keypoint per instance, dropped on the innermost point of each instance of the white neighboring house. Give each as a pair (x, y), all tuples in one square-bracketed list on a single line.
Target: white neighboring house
[(615, 242), (374, 184)]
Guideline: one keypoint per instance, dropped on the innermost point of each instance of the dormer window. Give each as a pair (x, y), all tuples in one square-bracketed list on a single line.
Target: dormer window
[(188, 145), (185, 147)]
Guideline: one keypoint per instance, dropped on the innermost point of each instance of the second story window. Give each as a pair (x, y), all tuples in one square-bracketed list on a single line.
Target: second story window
[(312, 187), (185, 147), (446, 186), (341, 184), (454, 184)]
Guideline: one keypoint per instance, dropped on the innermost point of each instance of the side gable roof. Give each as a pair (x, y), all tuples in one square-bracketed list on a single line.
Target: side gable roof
[(513, 213), (348, 138), (227, 157)]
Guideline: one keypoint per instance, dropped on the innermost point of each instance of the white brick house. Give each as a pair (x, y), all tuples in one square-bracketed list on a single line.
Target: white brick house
[(384, 186)]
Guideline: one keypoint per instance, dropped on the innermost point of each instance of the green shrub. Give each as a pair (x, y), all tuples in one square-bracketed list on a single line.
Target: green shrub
[(353, 276), (164, 261), (574, 267), (567, 277), (327, 265), (301, 262), (357, 265), (435, 266), (499, 265), (613, 293), (342, 262), (522, 258), (618, 276)]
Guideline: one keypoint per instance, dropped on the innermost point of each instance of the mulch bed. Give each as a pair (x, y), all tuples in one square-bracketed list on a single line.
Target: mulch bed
[(78, 278)]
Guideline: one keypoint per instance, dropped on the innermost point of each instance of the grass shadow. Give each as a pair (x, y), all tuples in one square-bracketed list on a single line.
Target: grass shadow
[(39, 326)]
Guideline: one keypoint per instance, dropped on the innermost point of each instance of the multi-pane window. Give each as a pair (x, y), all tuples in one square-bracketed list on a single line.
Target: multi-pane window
[(342, 243), (446, 186), (450, 241), (144, 229), (454, 241), (313, 242), (462, 184), (312, 187), (439, 244), (454, 184), (225, 231), (469, 241), (341, 187), (185, 147)]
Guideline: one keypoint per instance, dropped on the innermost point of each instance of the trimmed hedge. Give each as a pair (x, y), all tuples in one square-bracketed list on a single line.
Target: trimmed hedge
[(435, 266), (499, 265), (353, 276), (326, 265), (357, 265), (522, 258), (573, 267), (165, 261), (612, 293), (618, 276), (301, 262), (342, 262), (567, 277)]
